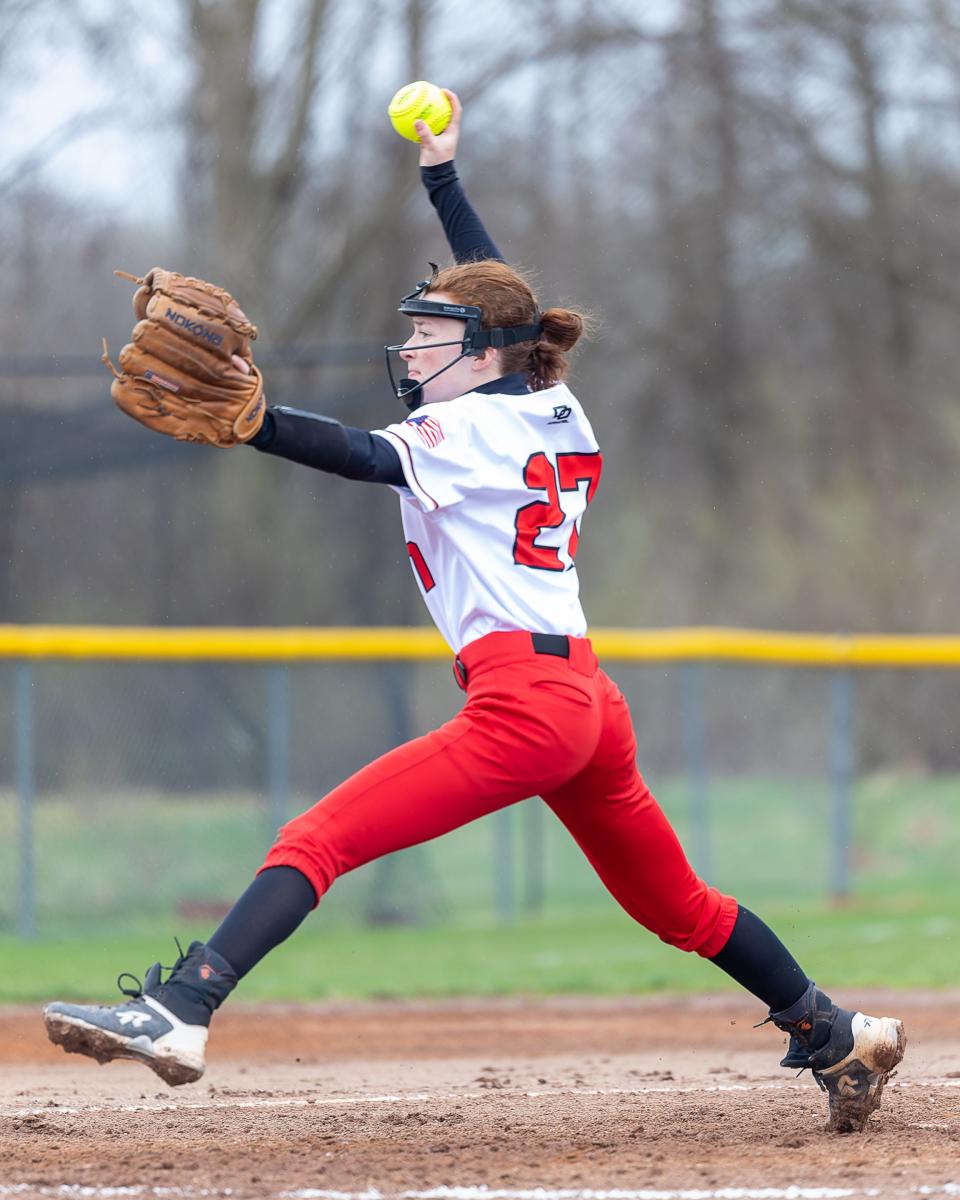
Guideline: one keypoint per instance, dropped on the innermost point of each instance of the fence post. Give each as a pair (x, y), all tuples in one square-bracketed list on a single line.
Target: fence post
[(695, 746), (534, 850), (503, 864), (26, 794), (400, 885), (841, 772), (278, 742)]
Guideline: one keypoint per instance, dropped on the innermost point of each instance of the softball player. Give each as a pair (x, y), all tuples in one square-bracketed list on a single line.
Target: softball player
[(494, 469)]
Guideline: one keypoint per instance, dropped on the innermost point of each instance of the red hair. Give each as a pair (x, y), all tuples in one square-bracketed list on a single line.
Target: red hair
[(505, 297)]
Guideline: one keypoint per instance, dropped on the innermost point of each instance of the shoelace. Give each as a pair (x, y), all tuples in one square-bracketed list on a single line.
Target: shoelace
[(137, 991), (823, 1087)]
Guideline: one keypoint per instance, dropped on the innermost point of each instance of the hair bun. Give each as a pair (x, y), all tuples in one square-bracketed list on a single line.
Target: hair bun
[(562, 327)]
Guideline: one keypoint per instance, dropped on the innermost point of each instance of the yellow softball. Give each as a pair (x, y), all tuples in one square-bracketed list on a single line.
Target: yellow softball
[(420, 101)]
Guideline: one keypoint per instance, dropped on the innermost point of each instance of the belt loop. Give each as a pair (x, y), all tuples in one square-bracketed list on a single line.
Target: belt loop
[(460, 674), (557, 644)]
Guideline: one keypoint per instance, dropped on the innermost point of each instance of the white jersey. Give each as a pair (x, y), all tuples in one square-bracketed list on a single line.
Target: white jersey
[(496, 487)]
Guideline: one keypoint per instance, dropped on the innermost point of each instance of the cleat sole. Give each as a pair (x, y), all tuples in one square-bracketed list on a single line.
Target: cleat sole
[(855, 1089), (80, 1037)]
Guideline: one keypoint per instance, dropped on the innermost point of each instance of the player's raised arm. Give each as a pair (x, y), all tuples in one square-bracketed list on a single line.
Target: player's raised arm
[(465, 232)]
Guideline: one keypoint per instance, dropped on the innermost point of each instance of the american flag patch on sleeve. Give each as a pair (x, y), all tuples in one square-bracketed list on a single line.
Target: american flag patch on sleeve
[(428, 430)]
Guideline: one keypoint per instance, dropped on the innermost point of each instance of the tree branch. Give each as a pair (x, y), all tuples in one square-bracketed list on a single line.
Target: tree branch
[(72, 129)]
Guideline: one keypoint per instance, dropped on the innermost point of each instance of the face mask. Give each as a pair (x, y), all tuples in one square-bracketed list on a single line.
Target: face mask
[(475, 340)]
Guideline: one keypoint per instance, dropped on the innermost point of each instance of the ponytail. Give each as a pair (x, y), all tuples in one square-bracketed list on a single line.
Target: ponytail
[(548, 363)]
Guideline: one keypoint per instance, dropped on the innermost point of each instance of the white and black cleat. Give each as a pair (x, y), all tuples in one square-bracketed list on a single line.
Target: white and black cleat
[(855, 1083), (140, 1029), (145, 1027)]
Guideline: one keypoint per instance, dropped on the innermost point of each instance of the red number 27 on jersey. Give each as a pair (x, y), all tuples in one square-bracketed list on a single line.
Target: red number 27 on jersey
[(532, 519)]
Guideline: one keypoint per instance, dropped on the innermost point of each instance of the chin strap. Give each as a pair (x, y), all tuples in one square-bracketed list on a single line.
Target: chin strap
[(410, 392)]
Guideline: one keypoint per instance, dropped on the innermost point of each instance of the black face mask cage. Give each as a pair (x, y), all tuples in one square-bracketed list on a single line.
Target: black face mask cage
[(474, 341)]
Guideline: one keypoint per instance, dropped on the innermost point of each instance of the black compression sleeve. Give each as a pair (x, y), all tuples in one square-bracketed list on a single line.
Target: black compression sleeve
[(305, 438), (756, 958), (372, 459), (325, 444), (465, 232), (266, 914)]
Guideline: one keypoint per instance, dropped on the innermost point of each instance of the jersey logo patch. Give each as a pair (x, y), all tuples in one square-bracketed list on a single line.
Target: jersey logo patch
[(561, 413), (428, 430)]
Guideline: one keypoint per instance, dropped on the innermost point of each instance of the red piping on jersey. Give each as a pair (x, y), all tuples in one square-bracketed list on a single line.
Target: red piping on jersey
[(413, 472)]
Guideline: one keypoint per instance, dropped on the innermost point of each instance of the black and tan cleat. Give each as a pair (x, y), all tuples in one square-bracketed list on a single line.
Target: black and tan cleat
[(855, 1084), (850, 1054)]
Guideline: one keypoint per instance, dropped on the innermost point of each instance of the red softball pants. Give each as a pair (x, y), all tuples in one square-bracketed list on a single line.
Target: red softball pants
[(533, 724)]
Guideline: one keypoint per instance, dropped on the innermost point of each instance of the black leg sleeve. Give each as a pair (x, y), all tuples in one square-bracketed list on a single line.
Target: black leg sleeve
[(265, 915), (757, 959)]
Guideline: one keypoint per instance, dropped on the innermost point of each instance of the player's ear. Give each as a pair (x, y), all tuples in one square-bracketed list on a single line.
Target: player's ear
[(487, 359)]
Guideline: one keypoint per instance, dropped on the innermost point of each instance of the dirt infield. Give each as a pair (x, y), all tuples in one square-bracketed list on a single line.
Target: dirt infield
[(516, 1100)]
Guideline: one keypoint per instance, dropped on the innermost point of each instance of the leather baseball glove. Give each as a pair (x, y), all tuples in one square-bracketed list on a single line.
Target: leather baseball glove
[(179, 375)]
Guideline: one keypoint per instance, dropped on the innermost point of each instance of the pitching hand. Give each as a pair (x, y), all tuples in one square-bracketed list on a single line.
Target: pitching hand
[(436, 148)]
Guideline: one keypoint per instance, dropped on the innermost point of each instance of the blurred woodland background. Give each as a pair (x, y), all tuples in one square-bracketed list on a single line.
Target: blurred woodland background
[(759, 199)]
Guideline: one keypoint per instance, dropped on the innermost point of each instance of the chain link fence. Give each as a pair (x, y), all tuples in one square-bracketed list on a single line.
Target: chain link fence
[(139, 792)]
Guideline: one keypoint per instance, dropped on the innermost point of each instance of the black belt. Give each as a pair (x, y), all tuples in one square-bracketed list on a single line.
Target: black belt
[(557, 644)]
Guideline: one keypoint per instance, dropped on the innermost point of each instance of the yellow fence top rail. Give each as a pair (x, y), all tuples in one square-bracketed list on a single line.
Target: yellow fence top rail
[(698, 644)]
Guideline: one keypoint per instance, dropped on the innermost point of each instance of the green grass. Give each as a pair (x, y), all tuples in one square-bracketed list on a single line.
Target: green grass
[(905, 942)]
